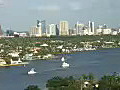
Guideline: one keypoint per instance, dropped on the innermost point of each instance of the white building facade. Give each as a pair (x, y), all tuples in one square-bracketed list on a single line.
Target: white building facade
[(64, 28), (52, 29), (106, 31), (36, 31), (79, 29)]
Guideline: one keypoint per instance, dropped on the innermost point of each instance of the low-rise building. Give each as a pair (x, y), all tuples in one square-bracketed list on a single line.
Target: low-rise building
[(106, 31), (98, 31), (114, 32)]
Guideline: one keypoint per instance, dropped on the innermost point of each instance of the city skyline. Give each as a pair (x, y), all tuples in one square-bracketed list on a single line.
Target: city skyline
[(20, 15)]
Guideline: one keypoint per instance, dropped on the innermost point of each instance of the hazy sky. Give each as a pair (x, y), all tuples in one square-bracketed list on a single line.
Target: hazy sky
[(21, 14)]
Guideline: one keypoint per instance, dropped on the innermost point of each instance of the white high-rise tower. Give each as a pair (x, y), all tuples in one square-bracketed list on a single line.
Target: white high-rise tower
[(79, 28), (52, 29)]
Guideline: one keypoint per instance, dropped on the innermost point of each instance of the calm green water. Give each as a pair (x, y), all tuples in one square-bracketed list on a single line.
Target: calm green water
[(98, 62)]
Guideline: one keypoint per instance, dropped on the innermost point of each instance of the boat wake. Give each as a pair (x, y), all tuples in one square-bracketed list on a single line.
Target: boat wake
[(57, 69)]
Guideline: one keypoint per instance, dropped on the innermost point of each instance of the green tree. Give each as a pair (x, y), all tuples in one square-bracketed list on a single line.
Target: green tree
[(91, 77), (110, 82), (85, 77), (32, 87)]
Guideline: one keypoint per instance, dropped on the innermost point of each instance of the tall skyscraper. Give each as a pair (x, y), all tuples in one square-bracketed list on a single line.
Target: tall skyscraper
[(52, 29), (91, 28), (40, 29), (64, 28), (43, 26), (1, 33), (79, 28), (57, 30)]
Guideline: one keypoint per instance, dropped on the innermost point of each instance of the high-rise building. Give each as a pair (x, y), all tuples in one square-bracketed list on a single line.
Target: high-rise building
[(79, 28), (33, 31), (72, 31), (36, 31), (10, 33), (39, 29), (91, 28), (42, 24), (64, 28), (38, 23), (52, 29), (57, 30), (1, 33)]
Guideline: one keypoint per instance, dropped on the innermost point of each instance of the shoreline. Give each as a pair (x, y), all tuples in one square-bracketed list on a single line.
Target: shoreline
[(7, 65), (57, 55)]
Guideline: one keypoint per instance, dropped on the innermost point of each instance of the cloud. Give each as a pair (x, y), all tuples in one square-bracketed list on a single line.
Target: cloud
[(81, 4), (75, 6), (47, 8), (1, 3)]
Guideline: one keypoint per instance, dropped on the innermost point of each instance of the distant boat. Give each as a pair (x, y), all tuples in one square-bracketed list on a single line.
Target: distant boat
[(32, 71), (63, 59), (65, 65)]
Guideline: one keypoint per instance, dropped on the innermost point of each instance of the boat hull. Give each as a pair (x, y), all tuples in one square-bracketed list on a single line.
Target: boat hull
[(32, 73)]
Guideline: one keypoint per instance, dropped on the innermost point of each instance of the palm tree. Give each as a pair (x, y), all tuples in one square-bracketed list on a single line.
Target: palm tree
[(85, 77), (91, 77)]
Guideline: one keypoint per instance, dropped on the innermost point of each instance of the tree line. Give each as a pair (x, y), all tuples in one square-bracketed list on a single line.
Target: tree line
[(84, 82)]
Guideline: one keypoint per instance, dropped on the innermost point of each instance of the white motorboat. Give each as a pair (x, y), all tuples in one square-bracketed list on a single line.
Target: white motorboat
[(32, 71), (63, 59), (64, 65)]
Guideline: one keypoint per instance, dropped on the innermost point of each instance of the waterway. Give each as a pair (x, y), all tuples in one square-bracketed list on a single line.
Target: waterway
[(98, 62)]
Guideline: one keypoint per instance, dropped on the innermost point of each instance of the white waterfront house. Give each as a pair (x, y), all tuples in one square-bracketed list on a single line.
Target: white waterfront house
[(16, 56), (16, 62)]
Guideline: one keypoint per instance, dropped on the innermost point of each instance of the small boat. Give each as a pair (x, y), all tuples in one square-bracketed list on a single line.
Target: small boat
[(63, 59), (64, 65), (32, 71)]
